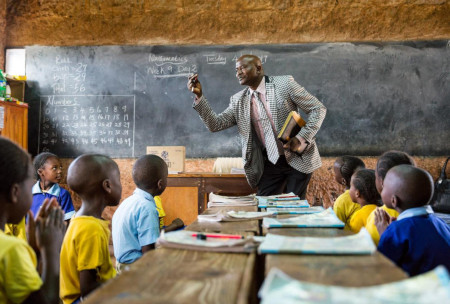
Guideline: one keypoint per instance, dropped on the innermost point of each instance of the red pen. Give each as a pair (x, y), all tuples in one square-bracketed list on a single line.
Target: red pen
[(219, 236)]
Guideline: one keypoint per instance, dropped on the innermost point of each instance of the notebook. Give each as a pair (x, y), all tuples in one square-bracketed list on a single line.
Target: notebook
[(360, 243), (326, 218)]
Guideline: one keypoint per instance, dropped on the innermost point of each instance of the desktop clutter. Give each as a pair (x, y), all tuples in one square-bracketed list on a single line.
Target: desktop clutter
[(289, 211)]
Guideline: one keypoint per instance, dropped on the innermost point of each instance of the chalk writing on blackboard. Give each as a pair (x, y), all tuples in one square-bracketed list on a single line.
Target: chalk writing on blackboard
[(215, 59), (88, 122), (68, 77), (170, 66)]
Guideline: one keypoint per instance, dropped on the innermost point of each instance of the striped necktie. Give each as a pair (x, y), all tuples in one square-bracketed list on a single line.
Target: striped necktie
[(269, 135)]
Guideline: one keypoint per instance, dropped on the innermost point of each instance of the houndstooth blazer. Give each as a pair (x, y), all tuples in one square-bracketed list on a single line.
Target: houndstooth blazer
[(283, 95)]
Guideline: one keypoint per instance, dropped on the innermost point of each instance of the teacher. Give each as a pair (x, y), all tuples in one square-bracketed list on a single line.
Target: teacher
[(259, 111)]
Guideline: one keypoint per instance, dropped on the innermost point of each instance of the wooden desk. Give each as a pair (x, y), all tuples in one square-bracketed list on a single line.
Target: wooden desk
[(345, 270), (246, 228), (186, 195), (181, 276)]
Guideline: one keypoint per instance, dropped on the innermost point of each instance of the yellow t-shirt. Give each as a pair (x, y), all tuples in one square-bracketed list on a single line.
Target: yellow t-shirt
[(344, 208), (359, 218), (18, 275), (370, 224), (17, 230), (161, 212), (85, 247)]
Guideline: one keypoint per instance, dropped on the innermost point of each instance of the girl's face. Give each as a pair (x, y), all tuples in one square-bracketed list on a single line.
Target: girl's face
[(51, 171), (337, 174), (354, 193), (24, 197)]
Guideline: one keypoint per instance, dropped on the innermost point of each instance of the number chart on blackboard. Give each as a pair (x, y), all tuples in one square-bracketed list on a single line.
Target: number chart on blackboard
[(117, 100)]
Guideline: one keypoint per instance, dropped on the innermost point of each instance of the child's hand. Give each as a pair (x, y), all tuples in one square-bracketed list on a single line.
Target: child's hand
[(50, 230), (382, 220), (178, 223), (46, 207)]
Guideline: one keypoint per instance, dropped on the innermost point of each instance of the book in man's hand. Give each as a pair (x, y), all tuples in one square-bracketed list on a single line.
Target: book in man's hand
[(293, 124)]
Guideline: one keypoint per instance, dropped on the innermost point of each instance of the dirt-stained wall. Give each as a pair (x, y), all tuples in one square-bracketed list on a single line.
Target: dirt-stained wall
[(142, 22), (98, 22)]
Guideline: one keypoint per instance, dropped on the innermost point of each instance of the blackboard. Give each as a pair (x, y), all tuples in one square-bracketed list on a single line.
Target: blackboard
[(119, 99)]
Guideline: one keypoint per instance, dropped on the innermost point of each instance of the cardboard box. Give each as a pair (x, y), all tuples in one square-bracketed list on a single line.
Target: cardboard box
[(174, 156)]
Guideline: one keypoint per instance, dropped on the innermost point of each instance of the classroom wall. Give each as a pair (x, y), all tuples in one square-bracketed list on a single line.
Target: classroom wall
[(142, 22), (2, 33)]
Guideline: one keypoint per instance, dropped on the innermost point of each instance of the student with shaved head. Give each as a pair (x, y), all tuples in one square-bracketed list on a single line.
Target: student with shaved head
[(259, 111), (135, 224), (85, 258), (417, 241)]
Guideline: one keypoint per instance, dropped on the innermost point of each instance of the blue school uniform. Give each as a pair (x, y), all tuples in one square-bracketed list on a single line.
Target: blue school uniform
[(61, 194), (417, 241), (135, 224)]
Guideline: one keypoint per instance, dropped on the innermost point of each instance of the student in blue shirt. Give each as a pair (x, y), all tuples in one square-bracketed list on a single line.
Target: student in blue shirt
[(417, 241), (135, 224), (48, 173)]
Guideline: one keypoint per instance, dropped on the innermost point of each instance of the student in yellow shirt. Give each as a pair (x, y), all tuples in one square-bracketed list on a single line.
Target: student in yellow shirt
[(363, 191), (386, 161), (19, 280), (85, 258), (176, 223), (344, 167)]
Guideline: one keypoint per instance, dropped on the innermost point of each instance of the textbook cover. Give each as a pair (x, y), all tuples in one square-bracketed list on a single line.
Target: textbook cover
[(293, 124), (430, 287), (360, 243), (326, 218), (295, 210)]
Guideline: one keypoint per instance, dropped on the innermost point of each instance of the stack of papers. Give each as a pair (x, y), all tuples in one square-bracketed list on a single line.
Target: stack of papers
[(360, 243), (232, 216), (430, 287), (218, 242), (299, 210), (289, 200), (216, 200), (326, 218)]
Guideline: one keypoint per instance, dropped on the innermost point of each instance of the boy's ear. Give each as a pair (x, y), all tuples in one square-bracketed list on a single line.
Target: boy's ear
[(39, 171), (160, 184), (394, 201), (343, 182), (106, 184), (357, 193)]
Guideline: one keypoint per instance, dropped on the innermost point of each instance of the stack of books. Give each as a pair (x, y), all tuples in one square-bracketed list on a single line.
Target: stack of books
[(216, 200)]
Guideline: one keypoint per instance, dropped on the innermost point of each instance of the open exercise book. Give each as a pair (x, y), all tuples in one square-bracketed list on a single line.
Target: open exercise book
[(232, 216), (360, 243), (289, 200), (301, 210), (205, 241), (326, 218), (431, 287), (216, 200)]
